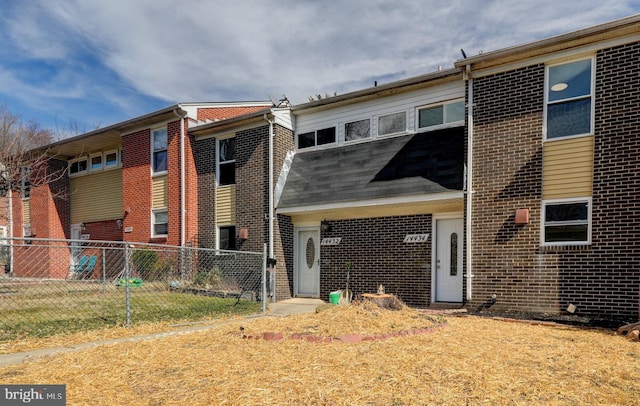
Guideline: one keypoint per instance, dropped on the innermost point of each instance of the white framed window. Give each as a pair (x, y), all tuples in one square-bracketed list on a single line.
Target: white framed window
[(95, 162), (357, 130), (442, 115), (392, 123), (323, 136), (159, 145), (227, 238), (111, 159), (226, 165), (566, 222), (78, 166), (160, 221), (568, 99)]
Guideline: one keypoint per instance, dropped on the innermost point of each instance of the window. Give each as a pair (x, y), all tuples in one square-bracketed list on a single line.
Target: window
[(442, 115), (392, 123), (110, 159), (357, 130), (227, 161), (227, 240), (569, 101), (78, 166), (96, 162), (314, 138), (160, 222), (25, 182), (566, 222), (160, 142)]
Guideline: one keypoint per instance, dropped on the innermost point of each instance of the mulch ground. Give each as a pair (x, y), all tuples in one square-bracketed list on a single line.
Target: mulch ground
[(468, 360)]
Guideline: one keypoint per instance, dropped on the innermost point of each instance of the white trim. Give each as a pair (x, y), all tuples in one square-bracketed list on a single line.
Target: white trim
[(444, 124), (112, 166), (590, 97), (567, 54), (153, 222), (433, 197), (91, 168), (376, 120), (544, 203), (434, 242), (296, 253), (152, 150), (78, 173)]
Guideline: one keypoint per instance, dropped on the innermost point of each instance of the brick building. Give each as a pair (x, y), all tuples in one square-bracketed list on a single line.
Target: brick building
[(238, 163), (555, 129), (132, 181)]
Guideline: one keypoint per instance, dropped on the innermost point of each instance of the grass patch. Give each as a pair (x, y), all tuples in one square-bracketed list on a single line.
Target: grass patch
[(31, 312)]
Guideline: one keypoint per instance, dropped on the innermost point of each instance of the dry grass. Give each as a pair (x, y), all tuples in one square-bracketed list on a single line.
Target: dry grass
[(471, 361)]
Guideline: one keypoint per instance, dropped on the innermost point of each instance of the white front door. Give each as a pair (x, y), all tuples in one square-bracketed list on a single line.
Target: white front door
[(448, 272), (307, 262)]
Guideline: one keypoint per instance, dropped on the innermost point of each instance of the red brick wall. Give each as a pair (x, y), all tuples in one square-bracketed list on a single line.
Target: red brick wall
[(136, 185), (601, 279), (222, 113)]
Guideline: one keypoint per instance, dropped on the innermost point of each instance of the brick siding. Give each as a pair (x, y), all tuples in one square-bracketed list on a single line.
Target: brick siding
[(378, 255), (600, 279)]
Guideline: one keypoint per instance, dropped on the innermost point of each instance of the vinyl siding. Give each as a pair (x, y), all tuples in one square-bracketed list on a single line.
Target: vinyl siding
[(568, 168), (96, 197), (26, 211), (160, 192), (372, 109), (226, 205)]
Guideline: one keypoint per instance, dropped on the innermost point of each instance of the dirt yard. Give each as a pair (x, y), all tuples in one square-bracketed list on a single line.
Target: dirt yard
[(429, 360)]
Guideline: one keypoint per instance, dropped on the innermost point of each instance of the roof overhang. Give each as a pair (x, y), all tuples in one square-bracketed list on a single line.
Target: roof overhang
[(231, 123), (404, 205), (623, 30), (388, 89), (107, 137)]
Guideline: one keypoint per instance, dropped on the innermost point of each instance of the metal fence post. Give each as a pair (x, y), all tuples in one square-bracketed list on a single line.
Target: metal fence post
[(127, 274), (264, 279)]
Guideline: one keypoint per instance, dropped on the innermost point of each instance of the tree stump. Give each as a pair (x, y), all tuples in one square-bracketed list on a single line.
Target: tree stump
[(384, 300)]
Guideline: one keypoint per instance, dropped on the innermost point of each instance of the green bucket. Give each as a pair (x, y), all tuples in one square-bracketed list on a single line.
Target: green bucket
[(334, 297)]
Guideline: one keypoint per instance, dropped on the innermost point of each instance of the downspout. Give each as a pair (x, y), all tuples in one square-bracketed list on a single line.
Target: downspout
[(183, 209), (469, 193), (271, 203)]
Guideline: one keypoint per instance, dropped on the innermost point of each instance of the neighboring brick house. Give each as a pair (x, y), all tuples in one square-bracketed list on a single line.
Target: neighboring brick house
[(555, 135), (132, 181), (377, 181), (238, 163)]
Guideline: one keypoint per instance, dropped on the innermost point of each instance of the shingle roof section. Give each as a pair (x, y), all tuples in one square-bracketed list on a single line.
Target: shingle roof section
[(424, 163)]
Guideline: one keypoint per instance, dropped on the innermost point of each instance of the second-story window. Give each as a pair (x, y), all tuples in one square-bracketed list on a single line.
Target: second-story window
[(160, 143), (227, 161), (443, 115), (569, 99), (357, 130), (315, 138)]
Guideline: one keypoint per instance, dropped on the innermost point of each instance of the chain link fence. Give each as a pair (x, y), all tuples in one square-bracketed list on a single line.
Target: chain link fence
[(53, 286)]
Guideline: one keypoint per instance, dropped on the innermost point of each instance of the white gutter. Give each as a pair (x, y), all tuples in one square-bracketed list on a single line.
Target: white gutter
[(271, 205), (469, 185), (183, 209)]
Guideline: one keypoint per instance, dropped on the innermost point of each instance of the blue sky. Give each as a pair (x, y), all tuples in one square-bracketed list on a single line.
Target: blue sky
[(91, 63)]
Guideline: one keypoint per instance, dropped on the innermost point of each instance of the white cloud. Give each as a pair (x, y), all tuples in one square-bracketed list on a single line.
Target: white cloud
[(245, 50)]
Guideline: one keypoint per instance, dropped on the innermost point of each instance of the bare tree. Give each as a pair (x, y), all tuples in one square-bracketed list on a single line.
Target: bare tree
[(24, 160)]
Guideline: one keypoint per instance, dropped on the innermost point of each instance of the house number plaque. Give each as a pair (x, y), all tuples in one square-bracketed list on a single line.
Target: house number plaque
[(416, 238), (331, 241)]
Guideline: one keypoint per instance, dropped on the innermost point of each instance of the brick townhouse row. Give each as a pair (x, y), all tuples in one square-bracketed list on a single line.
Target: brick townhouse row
[(510, 181)]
